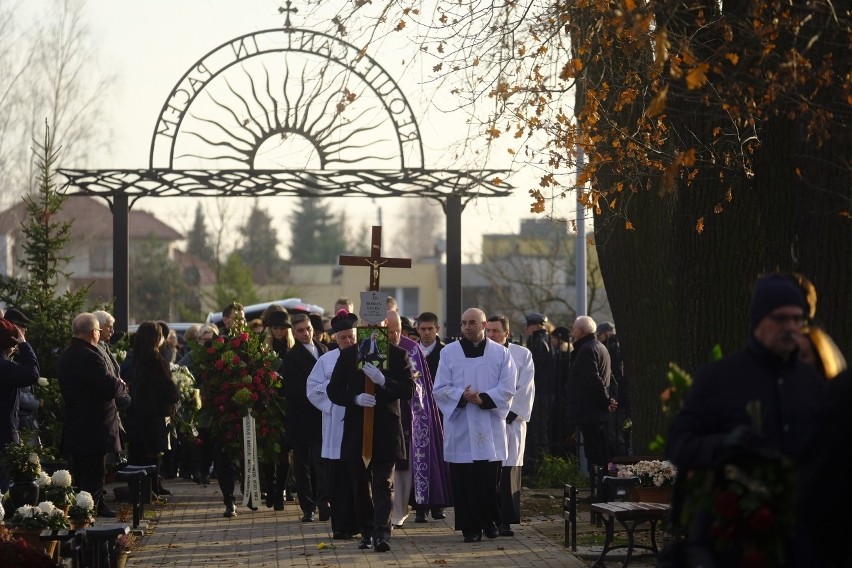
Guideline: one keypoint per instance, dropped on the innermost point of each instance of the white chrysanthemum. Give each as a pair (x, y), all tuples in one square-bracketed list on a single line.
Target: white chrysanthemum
[(33, 459), (61, 478), (25, 511), (46, 507), (43, 480), (85, 500), (2, 510), (42, 382)]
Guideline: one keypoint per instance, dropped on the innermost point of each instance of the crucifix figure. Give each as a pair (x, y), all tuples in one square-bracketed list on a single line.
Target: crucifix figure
[(375, 261)]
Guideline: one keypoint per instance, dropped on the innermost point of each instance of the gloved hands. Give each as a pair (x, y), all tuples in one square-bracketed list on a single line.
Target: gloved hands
[(374, 374), (511, 417), (742, 437), (366, 400)]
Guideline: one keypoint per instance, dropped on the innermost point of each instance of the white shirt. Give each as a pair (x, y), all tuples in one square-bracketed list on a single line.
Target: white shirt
[(471, 433), (428, 350)]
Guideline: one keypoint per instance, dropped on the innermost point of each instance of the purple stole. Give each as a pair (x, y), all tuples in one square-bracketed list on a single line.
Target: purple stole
[(430, 473)]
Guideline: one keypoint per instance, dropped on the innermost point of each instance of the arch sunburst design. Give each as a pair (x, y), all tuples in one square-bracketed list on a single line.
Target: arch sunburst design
[(286, 99)]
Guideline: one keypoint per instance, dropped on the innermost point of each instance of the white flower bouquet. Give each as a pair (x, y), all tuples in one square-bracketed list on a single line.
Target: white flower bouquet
[(44, 516), (58, 489), (651, 473), (83, 508)]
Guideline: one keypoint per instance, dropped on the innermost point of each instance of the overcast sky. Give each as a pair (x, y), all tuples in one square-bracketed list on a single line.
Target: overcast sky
[(149, 45)]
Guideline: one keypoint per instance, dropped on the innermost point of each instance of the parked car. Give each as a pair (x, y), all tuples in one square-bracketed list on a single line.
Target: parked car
[(179, 327), (255, 310)]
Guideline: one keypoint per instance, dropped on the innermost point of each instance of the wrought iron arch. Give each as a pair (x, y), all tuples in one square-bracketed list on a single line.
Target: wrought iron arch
[(377, 153)]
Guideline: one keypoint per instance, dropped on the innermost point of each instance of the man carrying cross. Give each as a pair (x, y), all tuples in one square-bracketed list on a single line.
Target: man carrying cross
[(372, 428)]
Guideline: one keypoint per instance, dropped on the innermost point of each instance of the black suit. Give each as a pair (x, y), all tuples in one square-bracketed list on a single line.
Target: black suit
[(303, 427), (347, 382)]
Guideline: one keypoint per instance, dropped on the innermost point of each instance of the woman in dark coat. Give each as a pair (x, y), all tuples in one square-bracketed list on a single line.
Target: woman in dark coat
[(155, 397)]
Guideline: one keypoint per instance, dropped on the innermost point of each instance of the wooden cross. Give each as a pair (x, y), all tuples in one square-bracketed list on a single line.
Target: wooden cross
[(375, 261)]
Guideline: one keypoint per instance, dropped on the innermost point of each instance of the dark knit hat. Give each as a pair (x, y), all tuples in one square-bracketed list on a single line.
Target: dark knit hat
[(9, 332), (278, 319), (772, 291), (343, 320), (563, 333)]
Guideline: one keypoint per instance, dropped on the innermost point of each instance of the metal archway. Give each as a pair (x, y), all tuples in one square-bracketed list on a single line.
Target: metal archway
[(255, 102)]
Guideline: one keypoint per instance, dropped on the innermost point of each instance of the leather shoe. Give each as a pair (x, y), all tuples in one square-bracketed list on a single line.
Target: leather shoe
[(205, 479), (308, 517), (472, 536), (381, 545), (230, 510), (438, 514), (104, 511), (420, 517), (365, 543), (491, 531), (325, 513), (506, 530)]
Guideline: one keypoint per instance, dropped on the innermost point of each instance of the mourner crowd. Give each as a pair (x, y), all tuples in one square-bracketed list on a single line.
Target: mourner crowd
[(453, 425)]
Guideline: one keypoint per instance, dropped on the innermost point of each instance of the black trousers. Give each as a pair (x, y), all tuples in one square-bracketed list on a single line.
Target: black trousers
[(342, 497), (226, 473), (372, 488), (311, 477), (88, 471), (594, 443), (475, 494), (510, 495)]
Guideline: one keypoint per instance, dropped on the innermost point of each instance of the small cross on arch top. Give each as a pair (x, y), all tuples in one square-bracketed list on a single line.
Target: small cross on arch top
[(288, 9)]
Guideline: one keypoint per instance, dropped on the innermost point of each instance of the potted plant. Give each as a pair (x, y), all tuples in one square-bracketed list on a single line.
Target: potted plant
[(57, 489), (124, 543), (28, 522), (82, 512), (23, 466), (656, 479)]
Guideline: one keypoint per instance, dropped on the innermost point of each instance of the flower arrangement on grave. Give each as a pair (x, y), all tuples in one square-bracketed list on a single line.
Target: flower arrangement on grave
[(237, 377), (43, 516), (83, 509), (651, 473), (21, 461), (57, 488), (190, 400)]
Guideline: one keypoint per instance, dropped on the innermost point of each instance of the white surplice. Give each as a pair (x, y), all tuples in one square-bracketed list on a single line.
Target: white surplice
[(332, 414), (522, 404), (471, 433)]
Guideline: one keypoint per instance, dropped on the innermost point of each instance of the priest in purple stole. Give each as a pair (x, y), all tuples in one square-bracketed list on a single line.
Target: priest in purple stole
[(425, 477)]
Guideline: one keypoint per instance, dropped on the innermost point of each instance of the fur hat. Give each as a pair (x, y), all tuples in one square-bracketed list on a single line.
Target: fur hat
[(9, 332), (772, 291), (343, 320)]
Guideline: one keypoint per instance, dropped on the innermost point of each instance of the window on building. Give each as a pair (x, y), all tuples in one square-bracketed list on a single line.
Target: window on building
[(100, 257)]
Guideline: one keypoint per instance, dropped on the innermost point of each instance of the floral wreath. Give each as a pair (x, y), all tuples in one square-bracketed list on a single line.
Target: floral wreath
[(237, 376)]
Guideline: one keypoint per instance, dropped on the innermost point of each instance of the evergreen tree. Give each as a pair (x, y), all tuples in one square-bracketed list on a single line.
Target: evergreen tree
[(260, 249), (43, 241), (318, 234), (196, 240), (155, 282), (235, 281)]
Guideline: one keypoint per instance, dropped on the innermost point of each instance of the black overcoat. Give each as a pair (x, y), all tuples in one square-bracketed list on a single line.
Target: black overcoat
[(302, 420), (89, 390), (347, 382)]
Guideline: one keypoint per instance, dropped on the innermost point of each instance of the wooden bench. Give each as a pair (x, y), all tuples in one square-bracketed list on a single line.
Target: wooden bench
[(630, 515)]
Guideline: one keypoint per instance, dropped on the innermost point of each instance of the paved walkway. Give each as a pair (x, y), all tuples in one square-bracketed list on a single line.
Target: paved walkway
[(189, 530)]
